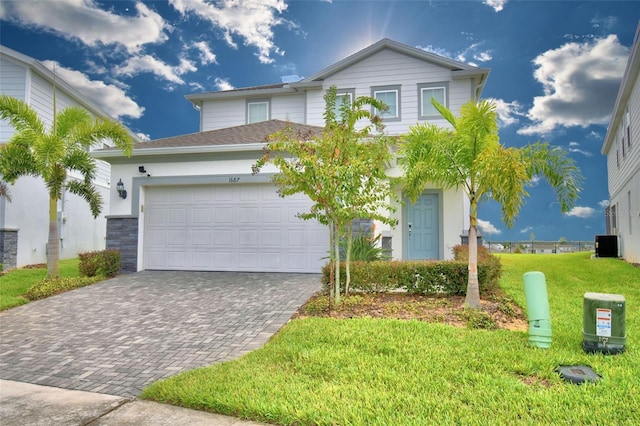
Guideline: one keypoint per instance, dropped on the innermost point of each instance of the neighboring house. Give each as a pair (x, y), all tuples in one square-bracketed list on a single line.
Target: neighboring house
[(196, 205), (24, 222), (622, 148)]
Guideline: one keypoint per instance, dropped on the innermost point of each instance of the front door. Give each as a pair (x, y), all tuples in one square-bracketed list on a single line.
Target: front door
[(423, 228)]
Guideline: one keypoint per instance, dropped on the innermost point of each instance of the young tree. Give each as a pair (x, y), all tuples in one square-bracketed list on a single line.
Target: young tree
[(342, 170), (51, 154), (470, 156)]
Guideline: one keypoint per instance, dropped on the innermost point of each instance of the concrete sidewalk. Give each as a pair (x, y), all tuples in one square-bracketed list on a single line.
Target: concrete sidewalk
[(26, 404)]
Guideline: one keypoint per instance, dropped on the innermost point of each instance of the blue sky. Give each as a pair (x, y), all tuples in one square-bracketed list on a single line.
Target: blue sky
[(555, 66)]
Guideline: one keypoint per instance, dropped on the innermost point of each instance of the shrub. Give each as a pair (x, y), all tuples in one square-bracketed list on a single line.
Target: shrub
[(58, 285), (489, 266), (424, 277), (104, 263), (365, 247)]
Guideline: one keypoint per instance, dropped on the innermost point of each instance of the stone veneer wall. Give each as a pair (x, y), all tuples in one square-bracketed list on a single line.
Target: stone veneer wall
[(8, 248), (122, 234)]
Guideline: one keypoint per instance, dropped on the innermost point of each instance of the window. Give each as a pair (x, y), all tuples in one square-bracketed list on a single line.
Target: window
[(614, 219), (629, 210), (627, 126), (426, 91), (390, 95), (343, 96), (257, 111)]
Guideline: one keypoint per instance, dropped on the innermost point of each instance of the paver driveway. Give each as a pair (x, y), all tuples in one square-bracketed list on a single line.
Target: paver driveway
[(118, 336)]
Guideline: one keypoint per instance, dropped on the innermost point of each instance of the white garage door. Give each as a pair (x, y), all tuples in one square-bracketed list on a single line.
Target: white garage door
[(231, 227)]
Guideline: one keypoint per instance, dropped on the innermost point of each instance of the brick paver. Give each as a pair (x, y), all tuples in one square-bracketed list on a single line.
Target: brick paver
[(120, 335)]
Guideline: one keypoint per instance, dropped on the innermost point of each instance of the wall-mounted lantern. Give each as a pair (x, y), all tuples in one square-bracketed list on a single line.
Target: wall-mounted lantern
[(122, 193)]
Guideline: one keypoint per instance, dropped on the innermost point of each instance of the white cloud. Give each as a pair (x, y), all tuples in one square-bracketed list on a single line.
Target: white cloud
[(508, 112), (437, 50), (144, 137), (147, 63), (526, 229), (84, 20), (582, 212), (580, 83), (474, 52), (250, 20), (292, 78), (497, 5), (109, 97), (483, 56), (535, 180), (487, 227), (604, 203), (223, 84), (573, 147), (206, 55)]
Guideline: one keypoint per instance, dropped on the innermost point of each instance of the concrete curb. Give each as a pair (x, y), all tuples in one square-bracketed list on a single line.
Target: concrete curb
[(27, 404)]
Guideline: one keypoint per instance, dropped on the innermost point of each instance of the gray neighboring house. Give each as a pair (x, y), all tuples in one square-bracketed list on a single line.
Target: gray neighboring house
[(622, 148), (24, 222)]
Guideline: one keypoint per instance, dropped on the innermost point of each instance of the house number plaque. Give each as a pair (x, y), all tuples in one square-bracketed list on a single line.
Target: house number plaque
[(234, 179)]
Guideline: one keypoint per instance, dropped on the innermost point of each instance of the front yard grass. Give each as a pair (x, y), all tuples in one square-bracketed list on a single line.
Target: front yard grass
[(368, 371), (14, 284)]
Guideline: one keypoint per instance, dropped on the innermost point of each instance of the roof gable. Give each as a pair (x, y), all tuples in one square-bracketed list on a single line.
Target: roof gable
[(458, 70), (396, 47)]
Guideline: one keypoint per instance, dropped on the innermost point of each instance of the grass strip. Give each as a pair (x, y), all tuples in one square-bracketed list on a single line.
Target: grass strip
[(15, 284), (321, 371)]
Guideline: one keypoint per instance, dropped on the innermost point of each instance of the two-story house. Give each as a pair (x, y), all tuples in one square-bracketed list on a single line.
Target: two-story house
[(24, 222), (622, 148), (195, 205)]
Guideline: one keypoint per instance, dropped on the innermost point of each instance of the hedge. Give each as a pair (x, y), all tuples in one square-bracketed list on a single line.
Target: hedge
[(58, 285), (420, 276), (104, 263)]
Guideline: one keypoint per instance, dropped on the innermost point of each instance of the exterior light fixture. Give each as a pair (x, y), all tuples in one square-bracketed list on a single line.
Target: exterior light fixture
[(141, 169), (122, 193)]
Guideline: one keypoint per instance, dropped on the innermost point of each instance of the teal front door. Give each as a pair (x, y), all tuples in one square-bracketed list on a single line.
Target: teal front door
[(423, 230)]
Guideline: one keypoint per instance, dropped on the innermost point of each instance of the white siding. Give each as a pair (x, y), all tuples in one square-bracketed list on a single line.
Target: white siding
[(389, 68), (289, 108), (624, 180), (13, 83), (629, 163), (224, 113)]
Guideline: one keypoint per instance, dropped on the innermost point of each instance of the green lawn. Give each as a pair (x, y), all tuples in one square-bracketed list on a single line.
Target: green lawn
[(14, 284), (390, 372)]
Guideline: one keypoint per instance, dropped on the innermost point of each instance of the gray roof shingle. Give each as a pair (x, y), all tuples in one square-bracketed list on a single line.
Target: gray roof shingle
[(238, 135)]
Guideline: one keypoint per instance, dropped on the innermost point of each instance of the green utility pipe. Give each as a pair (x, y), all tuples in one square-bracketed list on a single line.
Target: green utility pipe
[(535, 291)]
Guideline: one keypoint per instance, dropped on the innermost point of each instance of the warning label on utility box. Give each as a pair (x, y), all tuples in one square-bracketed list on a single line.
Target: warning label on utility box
[(603, 322)]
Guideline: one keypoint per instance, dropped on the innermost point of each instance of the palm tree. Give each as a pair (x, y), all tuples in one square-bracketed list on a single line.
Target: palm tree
[(51, 154), (470, 156)]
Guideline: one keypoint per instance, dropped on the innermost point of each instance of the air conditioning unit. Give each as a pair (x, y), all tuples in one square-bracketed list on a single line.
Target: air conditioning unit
[(607, 246)]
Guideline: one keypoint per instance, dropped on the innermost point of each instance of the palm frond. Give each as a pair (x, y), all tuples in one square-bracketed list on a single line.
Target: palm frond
[(88, 192), (20, 115)]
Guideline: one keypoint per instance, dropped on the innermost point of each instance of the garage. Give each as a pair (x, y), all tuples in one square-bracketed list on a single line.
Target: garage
[(229, 227)]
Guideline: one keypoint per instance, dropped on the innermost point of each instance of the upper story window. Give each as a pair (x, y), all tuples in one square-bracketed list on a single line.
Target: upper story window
[(342, 97), (427, 91), (257, 111), (390, 95), (627, 127)]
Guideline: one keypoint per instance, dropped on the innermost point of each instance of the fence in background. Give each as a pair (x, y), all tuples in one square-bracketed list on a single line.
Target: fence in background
[(539, 246)]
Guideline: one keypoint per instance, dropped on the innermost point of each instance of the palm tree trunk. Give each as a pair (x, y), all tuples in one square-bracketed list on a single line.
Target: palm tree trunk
[(336, 248), (472, 300), (53, 245), (347, 258)]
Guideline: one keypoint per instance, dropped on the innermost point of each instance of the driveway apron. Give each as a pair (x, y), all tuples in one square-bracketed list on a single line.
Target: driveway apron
[(120, 335)]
